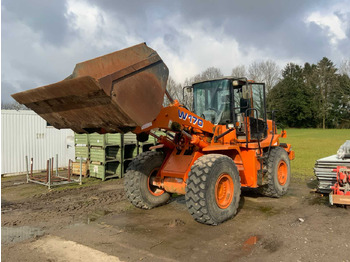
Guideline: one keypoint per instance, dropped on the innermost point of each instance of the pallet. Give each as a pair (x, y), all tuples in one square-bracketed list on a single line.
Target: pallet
[(76, 168)]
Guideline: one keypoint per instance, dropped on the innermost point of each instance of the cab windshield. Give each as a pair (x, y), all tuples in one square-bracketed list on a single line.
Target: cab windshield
[(212, 101)]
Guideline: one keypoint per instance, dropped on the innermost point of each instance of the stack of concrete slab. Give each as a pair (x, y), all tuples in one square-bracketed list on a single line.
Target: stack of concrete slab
[(324, 171)]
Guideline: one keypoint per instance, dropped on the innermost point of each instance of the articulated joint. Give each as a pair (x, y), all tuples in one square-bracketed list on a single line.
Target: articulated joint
[(198, 142), (166, 142), (170, 184)]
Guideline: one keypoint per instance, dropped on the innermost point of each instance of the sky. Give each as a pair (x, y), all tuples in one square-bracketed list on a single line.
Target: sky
[(41, 41)]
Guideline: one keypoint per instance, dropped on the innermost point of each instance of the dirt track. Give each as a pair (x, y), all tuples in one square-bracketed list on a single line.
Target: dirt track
[(97, 221)]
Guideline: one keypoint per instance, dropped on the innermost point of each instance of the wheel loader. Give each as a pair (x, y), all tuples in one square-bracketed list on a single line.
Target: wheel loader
[(208, 154)]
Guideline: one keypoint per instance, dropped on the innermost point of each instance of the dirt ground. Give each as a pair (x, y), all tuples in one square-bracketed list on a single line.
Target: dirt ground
[(97, 223)]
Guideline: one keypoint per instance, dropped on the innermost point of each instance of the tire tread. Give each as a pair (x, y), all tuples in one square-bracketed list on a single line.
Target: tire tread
[(196, 189), (133, 176), (269, 189)]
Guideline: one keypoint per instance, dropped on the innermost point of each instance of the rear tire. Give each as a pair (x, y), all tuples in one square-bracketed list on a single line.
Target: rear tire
[(213, 189), (137, 183), (277, 178)]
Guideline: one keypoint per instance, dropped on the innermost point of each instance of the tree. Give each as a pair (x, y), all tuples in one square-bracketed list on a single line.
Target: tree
[(292, 99), (211, 73), (207, 74), (174, 89), (327, 86), (239, 71), (339, 99), (13, 106), (344, 68), (266, 71)]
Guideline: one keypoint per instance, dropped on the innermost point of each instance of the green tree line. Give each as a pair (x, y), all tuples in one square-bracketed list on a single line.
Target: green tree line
[(313, 95)]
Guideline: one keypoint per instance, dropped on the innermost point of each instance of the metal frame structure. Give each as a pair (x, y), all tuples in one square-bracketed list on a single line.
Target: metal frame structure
[(51, 179)]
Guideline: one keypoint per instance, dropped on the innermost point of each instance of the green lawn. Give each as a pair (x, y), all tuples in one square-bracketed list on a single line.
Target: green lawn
[(312, 144)]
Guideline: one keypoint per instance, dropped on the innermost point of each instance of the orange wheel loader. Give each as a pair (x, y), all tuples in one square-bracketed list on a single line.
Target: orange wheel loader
[(208, 154)]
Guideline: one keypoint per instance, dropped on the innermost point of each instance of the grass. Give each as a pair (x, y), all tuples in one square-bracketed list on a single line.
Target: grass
[(312, 144)]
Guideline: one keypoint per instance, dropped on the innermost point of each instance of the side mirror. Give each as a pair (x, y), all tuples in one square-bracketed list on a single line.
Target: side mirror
[(247, 91), (188, 90)]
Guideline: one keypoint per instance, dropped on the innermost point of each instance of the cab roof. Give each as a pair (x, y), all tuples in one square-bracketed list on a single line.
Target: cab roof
[(242, 80)]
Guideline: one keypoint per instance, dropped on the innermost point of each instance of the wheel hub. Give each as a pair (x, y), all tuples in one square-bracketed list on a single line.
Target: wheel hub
[(282, 173), (154, 190), (224, 190)]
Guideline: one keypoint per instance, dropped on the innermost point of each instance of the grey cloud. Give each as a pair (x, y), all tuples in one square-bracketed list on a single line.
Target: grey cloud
[(344, 46), (174, 40), (7, 89), (293, 39), (345, 18), (276, 28), (139, 16), (46, 17)]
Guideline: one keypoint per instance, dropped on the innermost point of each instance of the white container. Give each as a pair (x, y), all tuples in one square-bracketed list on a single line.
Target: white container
[(24, 133)]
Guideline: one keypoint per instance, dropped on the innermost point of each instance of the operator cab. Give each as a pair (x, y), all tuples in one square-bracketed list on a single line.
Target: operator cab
[(228, 101)]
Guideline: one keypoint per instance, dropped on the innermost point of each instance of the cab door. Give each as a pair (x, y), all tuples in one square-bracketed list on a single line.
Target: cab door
[(258, 126)]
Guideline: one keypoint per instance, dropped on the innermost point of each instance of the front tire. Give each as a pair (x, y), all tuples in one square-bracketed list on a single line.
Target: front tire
[(278, 174), (213, 189), (137, 181)]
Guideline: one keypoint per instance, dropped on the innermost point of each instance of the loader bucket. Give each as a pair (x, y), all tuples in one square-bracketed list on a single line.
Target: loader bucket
[(112, 93)]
